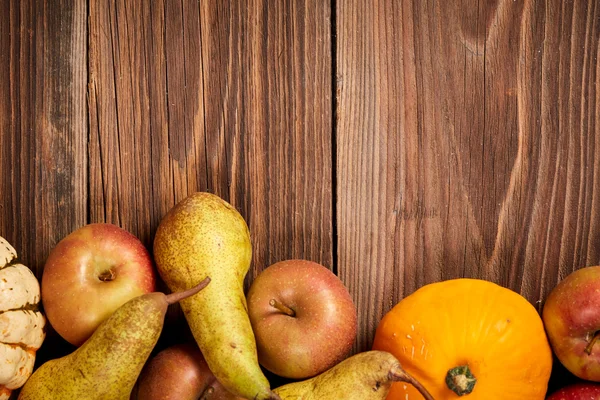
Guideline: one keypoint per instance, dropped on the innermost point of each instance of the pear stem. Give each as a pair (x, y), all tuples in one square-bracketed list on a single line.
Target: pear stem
[(175, 297), (282, 307), (274, 396), (397, 374), (588, 348)]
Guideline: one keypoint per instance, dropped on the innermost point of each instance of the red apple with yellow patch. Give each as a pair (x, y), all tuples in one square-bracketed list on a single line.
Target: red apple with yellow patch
[(571, 317), (303, 318), (89, 274)]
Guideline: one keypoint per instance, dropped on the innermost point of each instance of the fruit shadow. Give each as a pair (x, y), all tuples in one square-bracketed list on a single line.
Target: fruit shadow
[(560, 377)]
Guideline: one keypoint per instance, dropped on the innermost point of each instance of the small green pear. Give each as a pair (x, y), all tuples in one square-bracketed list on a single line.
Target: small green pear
[(203, 235), (364, 376), (107, 365)]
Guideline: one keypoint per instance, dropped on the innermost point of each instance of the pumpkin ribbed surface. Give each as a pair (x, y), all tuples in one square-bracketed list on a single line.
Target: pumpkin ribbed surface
[(21, 324), (471, 337)]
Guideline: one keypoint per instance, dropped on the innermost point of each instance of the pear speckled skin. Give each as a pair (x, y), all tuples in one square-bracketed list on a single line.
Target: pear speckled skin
[(107, 365), (364, 376), (205, 236)]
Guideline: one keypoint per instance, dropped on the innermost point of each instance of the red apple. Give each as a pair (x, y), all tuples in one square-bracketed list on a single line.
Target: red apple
[(89, 274), (180, 373), (578, 391), (303, 318), (571, 317)]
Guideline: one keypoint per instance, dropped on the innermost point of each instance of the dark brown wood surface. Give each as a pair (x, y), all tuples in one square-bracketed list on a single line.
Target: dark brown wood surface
[(396, 142), (467, 137), (188, 96), (43, 124)]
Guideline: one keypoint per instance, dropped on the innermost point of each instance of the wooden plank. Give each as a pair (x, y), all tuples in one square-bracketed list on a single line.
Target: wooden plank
[(272, 122), (60, 122), (466, 142), (43, 127), (267, 86), (128, 118), (43, 131), (231, 97)]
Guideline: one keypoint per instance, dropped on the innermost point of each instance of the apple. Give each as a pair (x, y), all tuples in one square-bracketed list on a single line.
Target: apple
[(180, 372), (577, 391), (571, 316), (303, 318), (89, 274)]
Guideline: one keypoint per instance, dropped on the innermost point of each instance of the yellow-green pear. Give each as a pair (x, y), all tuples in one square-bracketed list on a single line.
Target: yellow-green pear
[(107, 365), (201, 236), (364, 376)]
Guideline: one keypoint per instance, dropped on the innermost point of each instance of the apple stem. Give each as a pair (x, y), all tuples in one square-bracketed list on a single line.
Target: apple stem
[(588, 348), (207, 393), (107, 276), (282, 307), (175, 297), (397, 374)]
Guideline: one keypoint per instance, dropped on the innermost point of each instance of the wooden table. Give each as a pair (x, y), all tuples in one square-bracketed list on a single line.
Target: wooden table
[(397, 142)]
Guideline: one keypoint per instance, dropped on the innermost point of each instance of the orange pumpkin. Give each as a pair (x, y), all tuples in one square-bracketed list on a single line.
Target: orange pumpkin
[(468, 337)]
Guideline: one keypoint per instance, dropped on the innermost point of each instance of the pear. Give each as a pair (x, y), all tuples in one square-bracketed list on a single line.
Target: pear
[(201, 236), (364, 376), (107, 365)]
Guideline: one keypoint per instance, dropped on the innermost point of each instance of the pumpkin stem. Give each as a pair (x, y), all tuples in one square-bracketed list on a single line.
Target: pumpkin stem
[(588, 348), (397, 374), (460, 380)]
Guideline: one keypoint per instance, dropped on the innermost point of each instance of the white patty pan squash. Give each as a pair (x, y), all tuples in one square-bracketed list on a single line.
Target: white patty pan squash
[(21, 324)]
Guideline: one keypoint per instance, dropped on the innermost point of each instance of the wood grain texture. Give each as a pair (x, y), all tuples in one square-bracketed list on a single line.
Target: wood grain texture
[(43, 130), (228, 97), (396, 142), (466, 142)]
